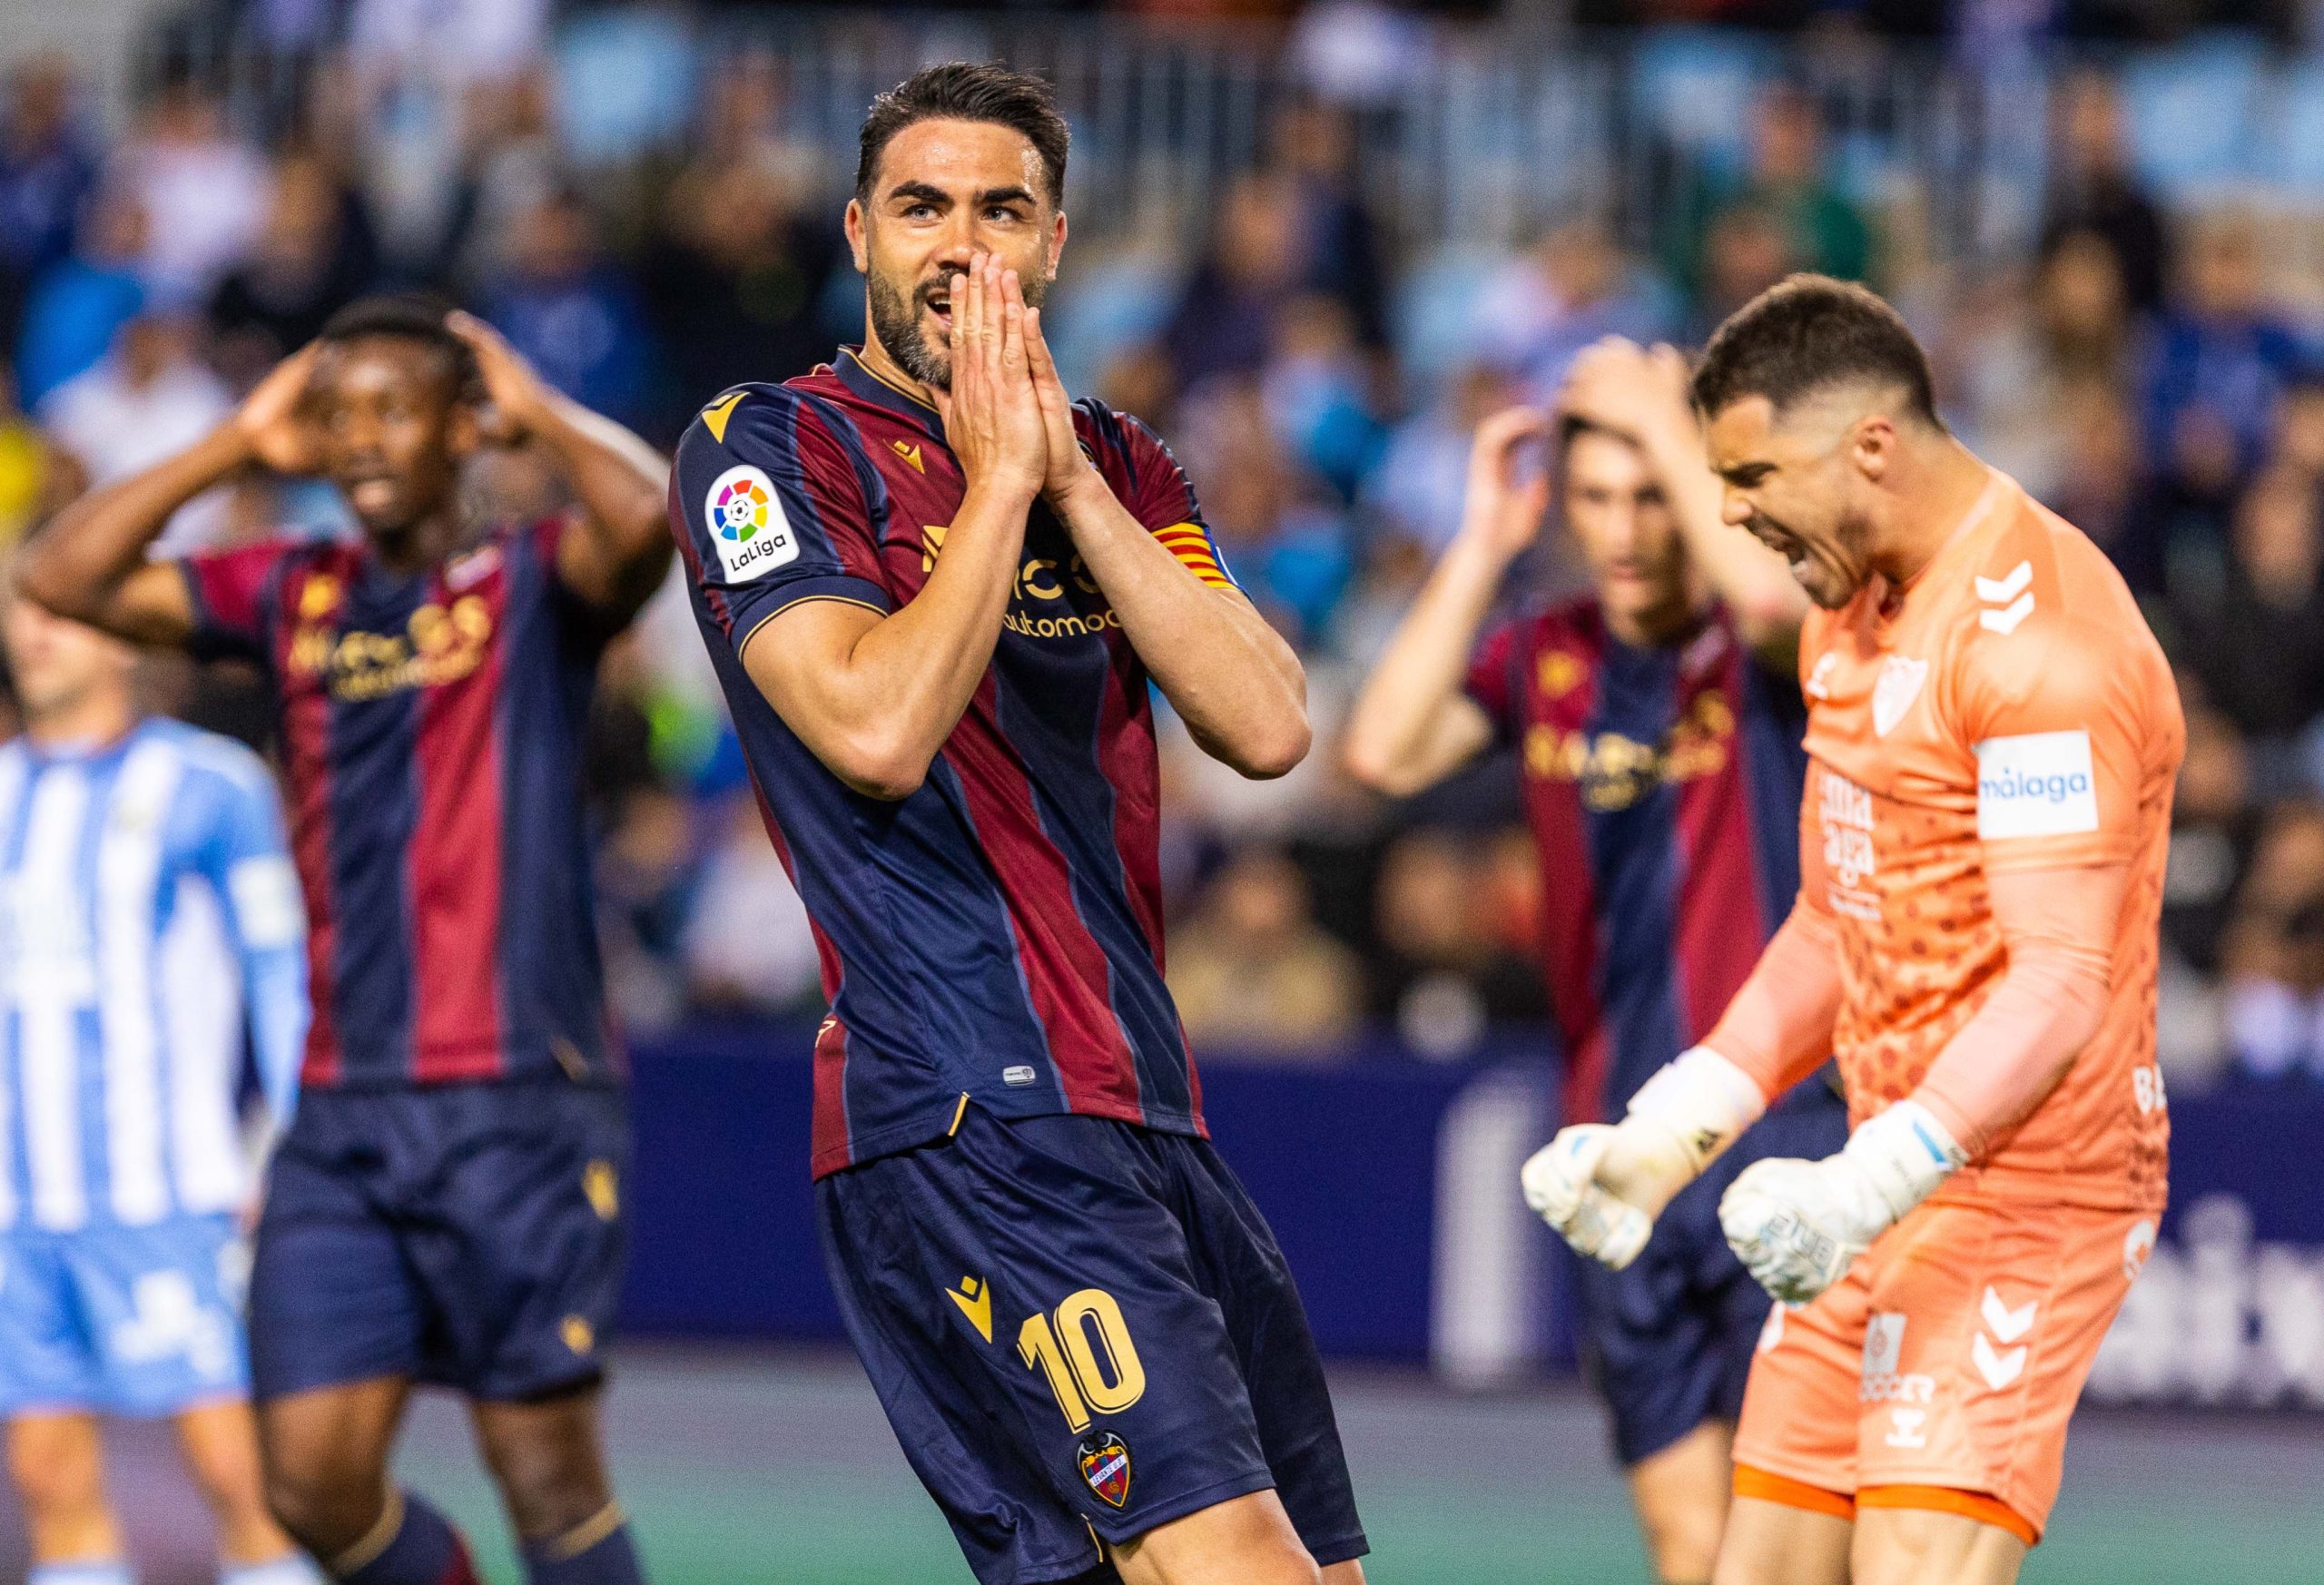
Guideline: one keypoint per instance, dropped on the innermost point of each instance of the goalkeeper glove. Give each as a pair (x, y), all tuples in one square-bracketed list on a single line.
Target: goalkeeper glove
[(1601, 1185), (1798, 1225)]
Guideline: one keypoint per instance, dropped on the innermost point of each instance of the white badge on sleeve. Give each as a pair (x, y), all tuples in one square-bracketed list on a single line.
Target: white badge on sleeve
[(747, 525), (2037, 784)]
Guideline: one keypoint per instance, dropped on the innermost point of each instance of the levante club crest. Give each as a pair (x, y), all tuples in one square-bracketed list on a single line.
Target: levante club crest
[(1105, 1464)]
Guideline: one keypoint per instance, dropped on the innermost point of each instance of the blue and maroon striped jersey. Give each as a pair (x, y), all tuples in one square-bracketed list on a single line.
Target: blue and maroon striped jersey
[(431, 730), (996, 936), (1663, 788)]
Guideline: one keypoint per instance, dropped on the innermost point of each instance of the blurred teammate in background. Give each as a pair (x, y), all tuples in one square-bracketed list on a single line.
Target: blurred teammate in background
[(936, 592), (447, 1207), (151, 920), (1657, 728), (1993, 734)]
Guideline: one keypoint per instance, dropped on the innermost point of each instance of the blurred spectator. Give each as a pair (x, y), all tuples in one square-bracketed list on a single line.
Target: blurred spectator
[(1227, 313), (2275, 949), (733, 279), (315, 254), (458, 41), (149, 398), (2070, 332), (1341, 255), (1416, 490), (204, 192), (29, 479), (2224, 356), (1787, 191), (80, 302), (47, 172), (1283, 540), (561, 302), (1446, 978), (1252, 971), (2093, 189), (748, 946), (2255, 637), (1317, 390), (1573, 287), (1745, 251), (2210, 837)]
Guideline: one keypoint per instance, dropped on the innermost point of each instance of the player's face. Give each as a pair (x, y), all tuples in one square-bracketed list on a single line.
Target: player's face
[(1793, 483), (1615, 509), (59, 664), (943, 192), (394, 430)]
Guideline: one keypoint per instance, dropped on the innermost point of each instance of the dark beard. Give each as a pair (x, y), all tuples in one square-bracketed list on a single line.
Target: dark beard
[(895, 319)]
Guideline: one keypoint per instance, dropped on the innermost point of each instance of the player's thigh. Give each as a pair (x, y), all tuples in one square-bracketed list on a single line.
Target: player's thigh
[(324, 1452), (1234, 1258), (1655, 1335), (1682, 1494), (333, 1297), (1985, 1319), (521, 1236), (161, 1306), (1244, 1541), (219, 1441), (1905, 1546), (1025, 1301), (1776, 1543), (57, 1464)]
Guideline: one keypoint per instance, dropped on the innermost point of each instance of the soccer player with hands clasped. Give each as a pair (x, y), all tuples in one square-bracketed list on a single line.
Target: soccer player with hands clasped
[(1993, 734)]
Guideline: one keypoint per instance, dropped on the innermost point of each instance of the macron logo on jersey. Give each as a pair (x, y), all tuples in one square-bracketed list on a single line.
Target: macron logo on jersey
[(2037, 784), (747, 525)]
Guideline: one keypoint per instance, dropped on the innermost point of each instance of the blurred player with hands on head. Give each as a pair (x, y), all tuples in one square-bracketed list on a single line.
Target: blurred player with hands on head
[(446, 1207), (936, 592), (152, 921), (1657, 724), (1993, 733)]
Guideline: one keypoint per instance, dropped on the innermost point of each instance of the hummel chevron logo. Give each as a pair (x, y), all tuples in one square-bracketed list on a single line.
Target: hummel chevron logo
[(2008, 1325), (1998, 1369), (975, 1299), (2009, 594)]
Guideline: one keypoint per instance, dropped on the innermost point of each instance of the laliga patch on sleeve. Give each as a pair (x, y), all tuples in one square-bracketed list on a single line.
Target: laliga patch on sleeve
[(267, 902), (746, 523), (2035, 785)]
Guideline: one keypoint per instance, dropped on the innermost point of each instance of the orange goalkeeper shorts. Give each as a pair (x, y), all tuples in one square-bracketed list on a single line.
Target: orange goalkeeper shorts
[(1948, 1360)]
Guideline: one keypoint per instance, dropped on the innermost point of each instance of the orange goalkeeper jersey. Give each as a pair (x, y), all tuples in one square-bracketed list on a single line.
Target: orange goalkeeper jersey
[(2007, 710)]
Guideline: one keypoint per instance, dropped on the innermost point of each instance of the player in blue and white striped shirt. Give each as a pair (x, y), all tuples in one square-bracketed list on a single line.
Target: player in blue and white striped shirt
[(149, 919)]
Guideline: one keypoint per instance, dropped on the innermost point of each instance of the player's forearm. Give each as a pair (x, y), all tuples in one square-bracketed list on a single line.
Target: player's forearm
[(1397, 736), (79, 566), (1238, 686), (1750, 580), (1777, 1028), (276, 983), (622, 487), (906, 680)]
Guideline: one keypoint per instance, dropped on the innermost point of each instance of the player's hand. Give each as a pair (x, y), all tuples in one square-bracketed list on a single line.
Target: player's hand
[(1636, 391), (1509, 482), (992, 417), (1798, 1225), (273, 421), (515, 395), (1602, 1185), (1070, 470)]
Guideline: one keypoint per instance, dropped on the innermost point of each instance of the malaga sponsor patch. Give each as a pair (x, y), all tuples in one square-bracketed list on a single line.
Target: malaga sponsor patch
[(746, 524), (2037, 784), (1104, 1465)]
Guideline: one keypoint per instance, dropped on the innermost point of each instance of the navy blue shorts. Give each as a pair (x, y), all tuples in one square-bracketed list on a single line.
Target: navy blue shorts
[(1668, 1341), (469, 1236), (1082, 1329)]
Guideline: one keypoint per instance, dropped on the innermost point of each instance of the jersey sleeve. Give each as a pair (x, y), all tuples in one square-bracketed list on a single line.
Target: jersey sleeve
[(236, 599), (772, 507), (2055, 714), (1147, 478), (247, 860), (1493, 676)]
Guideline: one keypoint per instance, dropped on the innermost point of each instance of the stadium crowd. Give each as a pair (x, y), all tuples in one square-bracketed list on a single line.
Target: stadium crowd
[(2146, 372)]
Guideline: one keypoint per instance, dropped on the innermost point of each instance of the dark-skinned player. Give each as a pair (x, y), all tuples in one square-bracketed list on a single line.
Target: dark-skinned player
[(446, 1208)]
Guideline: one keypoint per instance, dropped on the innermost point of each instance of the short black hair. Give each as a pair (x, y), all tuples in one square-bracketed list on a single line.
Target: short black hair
[(968, 91), (407, 316), (1808, 332)]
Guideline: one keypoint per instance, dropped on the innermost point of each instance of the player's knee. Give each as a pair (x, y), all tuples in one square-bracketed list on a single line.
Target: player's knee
[(322, 1500), (57, 1476), (551, 1483)]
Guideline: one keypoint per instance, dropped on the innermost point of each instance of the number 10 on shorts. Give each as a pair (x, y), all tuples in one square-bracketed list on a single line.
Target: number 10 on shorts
[(1084, 1348)]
